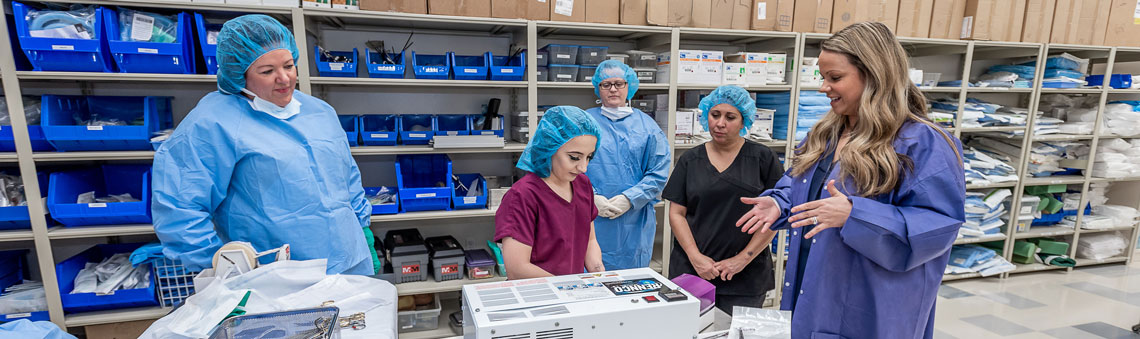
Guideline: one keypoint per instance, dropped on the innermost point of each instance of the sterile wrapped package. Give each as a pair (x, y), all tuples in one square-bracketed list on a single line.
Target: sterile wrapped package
[(147, 27), (31, 111), (1101, 245), (78, 23), (1096, 222), (756, 323), (20, 300), (1122, 215)]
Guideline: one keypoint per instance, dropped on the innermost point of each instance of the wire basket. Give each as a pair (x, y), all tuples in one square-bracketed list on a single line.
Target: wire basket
[(175, 282)]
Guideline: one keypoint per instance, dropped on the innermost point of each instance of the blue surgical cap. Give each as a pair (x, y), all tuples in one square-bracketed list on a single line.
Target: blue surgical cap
[(732, 95), (615, 69), (243, 40), (558, 125)]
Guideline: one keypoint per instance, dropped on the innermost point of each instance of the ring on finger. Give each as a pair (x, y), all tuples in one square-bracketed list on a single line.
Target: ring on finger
[(815, 221)]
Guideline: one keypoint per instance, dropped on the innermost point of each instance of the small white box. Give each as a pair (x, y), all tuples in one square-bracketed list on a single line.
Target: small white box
[(755, 67), (684, 122), (777, 66), (809, 73), (688, 67), (734, 74), (316, 4), (762, 121), (712, 67)]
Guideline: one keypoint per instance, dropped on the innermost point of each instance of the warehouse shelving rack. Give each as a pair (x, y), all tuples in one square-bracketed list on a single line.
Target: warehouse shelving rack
[(527, 33)]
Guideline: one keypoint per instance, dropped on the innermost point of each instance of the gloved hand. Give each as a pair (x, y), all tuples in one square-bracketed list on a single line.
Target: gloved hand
[(605, 209), (619, 204)]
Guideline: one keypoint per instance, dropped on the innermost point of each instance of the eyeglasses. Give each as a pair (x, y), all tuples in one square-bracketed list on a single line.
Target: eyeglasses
[(614, 85)]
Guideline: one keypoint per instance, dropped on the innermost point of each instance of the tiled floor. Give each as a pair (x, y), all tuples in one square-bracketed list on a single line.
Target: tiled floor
[(1090, 302)]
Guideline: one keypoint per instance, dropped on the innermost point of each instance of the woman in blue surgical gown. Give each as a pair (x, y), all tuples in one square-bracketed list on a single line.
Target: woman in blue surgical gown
[(259, 162), (628, 170), (873, 200)]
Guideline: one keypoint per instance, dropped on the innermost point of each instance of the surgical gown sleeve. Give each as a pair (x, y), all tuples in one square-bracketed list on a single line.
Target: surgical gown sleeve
[(192, 173), (656, 159)]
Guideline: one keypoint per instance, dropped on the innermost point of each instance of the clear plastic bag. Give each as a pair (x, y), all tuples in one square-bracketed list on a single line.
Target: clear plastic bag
[(999, 76), (756, 323), (24, 301), (77, 23), (147, 27), (31, 111)]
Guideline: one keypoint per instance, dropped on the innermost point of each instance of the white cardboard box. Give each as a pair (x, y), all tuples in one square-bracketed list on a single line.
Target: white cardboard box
[(688, 67), (734, 74), (763, 120), (755, 67), (685, 120), (777, 67), (712, 67)]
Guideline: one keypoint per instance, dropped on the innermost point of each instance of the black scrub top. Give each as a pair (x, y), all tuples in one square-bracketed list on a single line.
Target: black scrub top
[(712, 201)]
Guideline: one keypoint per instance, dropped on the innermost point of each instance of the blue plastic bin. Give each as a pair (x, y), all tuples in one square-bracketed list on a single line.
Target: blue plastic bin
[(377, 69), (452, 124), (463, 202), (505, 68), (379, 130), (1119, 81), (417, 178), (65, 55), (326, 68), (351, 125), (477, 129), (431, 66), (12, 269), (152, 57), (386, 208), (35, 133), (65, 187), (468, 67), (410, 137), (58, 114), (87, 302), (17, 217), (209, 50)]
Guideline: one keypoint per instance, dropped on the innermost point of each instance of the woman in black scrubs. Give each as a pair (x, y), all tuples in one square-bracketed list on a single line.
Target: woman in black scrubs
[(705, 191)]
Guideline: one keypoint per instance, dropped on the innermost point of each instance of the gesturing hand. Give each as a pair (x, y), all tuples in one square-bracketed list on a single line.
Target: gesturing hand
[(824, 213), (764, 212)]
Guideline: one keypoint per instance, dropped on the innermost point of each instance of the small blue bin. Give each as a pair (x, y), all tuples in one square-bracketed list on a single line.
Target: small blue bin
[(64, 55), (392, 208), (452, 124), (351, 125), (379, 130), (477, 129), (152, 57), (17, 217), (377, 69), (431, 66), (209, 50), (65, 187), (58, 114), (1118, 81), (464, 202), (67, 270), (505, 68), (326, 68), (417, 178), (410, 137), (468, 67)]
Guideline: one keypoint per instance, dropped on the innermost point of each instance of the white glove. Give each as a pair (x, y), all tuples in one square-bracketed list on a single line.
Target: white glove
[(605, 209), (619, 204)]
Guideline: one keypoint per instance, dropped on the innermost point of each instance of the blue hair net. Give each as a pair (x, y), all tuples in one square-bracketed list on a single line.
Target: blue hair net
[(615, 69), (732, 95), (558, 125), (244, 39)]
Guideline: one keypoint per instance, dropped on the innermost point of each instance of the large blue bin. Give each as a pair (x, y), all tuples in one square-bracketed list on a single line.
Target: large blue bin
[(392, 208), (452, 124), (17, 217), (209, 50), (431, 66), (477, 129), (67, 270), (65, 187), (328, 68), (377, 69), (468, 67), (351, 125), (379, 129), (152, 57), (464, 202), (65, 55), (417, 178), (506, 68), (58, 113), (410, 137)]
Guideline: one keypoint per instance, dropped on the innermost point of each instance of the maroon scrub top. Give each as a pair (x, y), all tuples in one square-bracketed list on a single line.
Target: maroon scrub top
[(558, 231)]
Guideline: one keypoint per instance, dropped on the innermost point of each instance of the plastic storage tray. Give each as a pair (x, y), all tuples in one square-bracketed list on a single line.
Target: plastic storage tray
[(642, 59), (209, 50), (392, 208), (563, 73), (541, 58), (477, 126), (86, 302), (620, 57), (543, 73), (506, 68), (480, 264), (327, 68), (431, 66), (585, 73), (406, 251), (17, 217), (378, 69), (447, 259), (419, 320), (64, 189), (592, 55), (379, 130), (464, 202), (645, 105), (65, 55), (452, 124), (468, 67), (153, 57), (646, 76), (561, 54), (410, 136), (417, 177), (59, 112), (175, 281)]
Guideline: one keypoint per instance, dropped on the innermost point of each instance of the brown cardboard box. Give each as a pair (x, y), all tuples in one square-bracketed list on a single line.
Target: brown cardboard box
[(402, 6), (1007, 30), (1093, 22), (376, 5), (603, 11), (731, 14), (669, 12), (508, 9), (890, 15), (1065, 29), (1038, 23), (914, 18), (847, 12), (785, 11), (538, 9), (813, 16), (1122, 27), (130, 329), (702, 14), (764, 15), (568, 10), (976, 20), (476, 8), (633, 12), (946, 22), (742, 14)]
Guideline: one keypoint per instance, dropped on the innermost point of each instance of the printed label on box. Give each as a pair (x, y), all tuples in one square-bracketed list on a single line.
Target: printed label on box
[(336, 66), (470, 70), (564, 7), (425, 195), (410, 269), (762, 11), (386, 68), (379, 135), (1135, 14), (417, 135), (148, 50), (63, 47), (94, 128), (562, 56), (563, 76), (142, 27), (449, 269), (470, 200), (507, 71), (97, 205), (967, 26)]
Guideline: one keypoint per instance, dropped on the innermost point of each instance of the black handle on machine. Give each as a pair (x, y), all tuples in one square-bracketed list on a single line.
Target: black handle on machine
[(491, 113)]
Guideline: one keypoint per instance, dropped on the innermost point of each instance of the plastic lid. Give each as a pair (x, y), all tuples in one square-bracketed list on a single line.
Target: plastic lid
[(444, 246), (479, 257), (405, 241)]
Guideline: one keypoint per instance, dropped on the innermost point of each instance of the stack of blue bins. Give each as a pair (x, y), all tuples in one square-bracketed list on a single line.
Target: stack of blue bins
[(67, 270), (153, 57), (209, 50), (35, 134), (18, 217), (65, 187), (13, 271), (60, 112), (409, 135), (378, 69), (351, 125), (418, 178), (812, 107), (328, 68), (61, 54), (379, 130)]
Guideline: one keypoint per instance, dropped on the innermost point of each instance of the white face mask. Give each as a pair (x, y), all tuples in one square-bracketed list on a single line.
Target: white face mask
[(262, 105), (617, 113)]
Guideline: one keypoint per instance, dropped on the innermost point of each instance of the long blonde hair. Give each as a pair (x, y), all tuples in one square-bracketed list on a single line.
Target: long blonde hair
[(889, 100)]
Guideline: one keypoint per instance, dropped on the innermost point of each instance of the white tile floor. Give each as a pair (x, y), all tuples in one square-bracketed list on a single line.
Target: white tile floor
[(1089, 302)]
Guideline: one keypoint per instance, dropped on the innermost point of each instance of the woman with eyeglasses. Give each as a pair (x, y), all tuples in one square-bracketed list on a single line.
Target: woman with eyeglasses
[(628, 170)]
